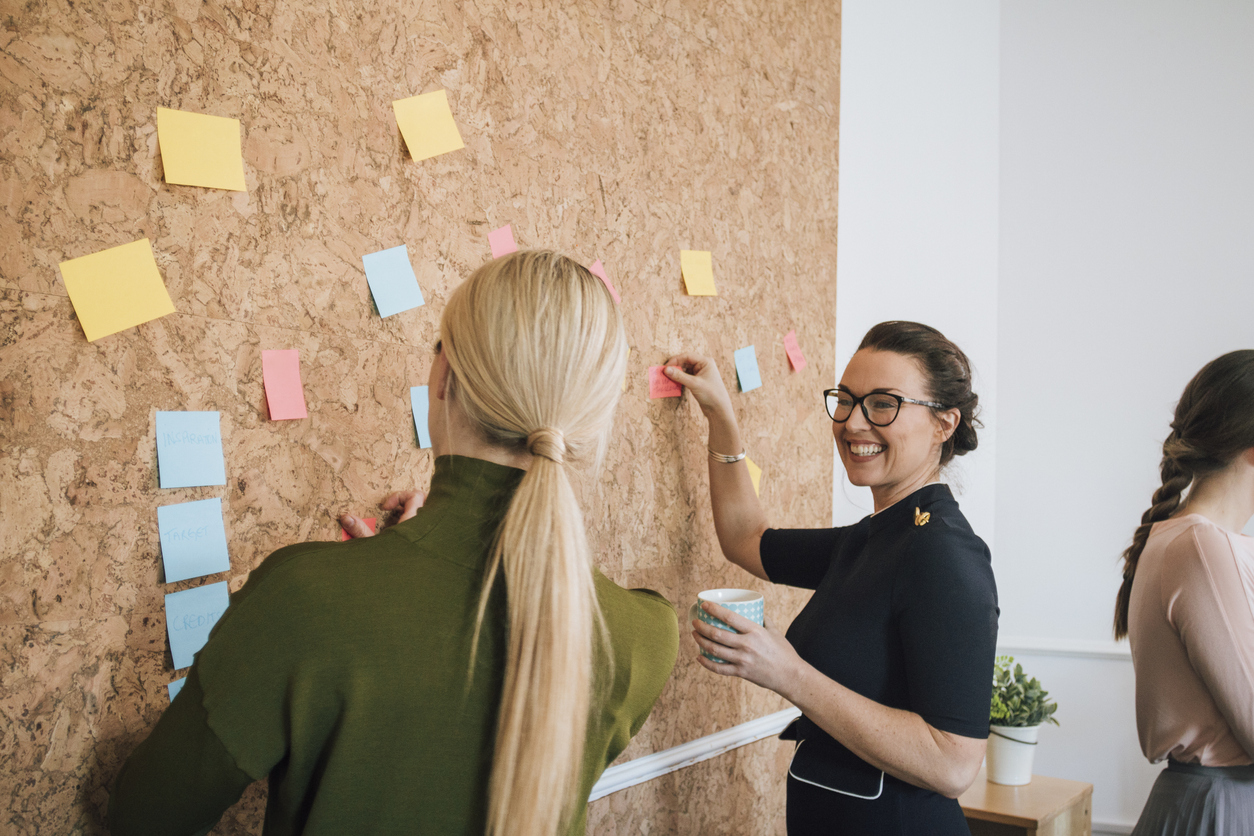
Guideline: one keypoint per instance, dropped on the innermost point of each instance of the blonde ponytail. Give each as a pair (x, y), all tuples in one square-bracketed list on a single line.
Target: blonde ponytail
[(536, 348)]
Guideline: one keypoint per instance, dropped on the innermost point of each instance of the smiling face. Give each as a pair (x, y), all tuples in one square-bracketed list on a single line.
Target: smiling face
[(896, 460)]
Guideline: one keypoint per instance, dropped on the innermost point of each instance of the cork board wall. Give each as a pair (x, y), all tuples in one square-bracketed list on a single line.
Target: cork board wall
[(616, 130)]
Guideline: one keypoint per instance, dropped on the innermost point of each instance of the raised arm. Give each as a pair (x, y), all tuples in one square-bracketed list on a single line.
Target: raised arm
[(738, 517)]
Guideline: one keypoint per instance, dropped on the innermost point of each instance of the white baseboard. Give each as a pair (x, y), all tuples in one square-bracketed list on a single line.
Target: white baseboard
[(1076, 648), (648, 767)]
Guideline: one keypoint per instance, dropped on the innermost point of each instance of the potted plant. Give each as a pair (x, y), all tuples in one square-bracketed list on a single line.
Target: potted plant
[(1018, 711)]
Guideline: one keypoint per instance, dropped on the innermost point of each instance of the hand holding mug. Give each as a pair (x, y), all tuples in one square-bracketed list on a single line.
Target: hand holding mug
[(744, 647)]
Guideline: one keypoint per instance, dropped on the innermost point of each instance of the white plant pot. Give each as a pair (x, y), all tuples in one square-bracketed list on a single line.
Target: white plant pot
[(1010, 751)]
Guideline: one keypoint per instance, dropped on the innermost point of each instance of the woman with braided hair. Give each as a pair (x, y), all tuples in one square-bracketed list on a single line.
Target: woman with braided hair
[(1187, 607), (467, 670)]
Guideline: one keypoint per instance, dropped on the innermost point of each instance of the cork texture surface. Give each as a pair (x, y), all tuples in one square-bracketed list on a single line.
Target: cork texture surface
[(618, 130)]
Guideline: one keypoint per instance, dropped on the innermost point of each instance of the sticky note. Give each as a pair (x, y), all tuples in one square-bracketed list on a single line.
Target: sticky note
[(419, 400), (174, 687), (661, 386), (698, 270), (190, 615), (427, 125), (755, 475), (193, 539), (747, 369), (116, 289), (502, 241), (189, 449), (598, 269), (392, 281), (200, 150), (795, 357), (370, 523), (280, 374)]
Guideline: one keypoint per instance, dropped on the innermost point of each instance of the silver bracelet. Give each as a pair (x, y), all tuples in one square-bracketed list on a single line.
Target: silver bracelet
[(725, 459)]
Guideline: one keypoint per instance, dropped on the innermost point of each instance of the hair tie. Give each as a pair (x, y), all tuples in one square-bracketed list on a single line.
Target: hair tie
[(547, 443)]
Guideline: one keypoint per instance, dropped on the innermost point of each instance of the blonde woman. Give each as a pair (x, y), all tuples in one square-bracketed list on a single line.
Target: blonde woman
[(466, 671)]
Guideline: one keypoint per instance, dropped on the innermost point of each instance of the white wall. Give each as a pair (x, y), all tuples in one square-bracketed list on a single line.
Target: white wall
[(918, 199), (1127, 253), (1066, 188)]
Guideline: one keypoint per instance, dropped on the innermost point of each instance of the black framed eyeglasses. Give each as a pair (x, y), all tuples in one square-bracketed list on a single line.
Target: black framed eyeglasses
[(879, 408)]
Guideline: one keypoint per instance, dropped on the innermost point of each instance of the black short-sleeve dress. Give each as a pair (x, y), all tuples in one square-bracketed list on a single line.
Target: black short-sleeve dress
[(905, 613)]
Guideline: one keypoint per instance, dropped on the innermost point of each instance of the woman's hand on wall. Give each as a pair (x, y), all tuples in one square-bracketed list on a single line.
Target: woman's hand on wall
[(402, 503), (758, 653)]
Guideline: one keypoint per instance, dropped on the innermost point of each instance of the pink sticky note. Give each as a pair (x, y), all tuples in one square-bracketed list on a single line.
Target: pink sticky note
[(369, 521), (661, 386), (795, 356), (280, 372), (598, 269), (502, 241)]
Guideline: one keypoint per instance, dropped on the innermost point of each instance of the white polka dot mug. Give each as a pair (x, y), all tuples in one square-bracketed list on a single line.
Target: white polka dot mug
[(744, 602)]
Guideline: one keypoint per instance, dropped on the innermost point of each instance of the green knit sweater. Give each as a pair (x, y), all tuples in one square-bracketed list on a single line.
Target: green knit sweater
[(340, 673)]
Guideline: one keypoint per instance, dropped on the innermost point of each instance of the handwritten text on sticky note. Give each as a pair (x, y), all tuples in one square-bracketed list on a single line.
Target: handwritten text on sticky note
[(502, 241), (189, 449), (193, 539), (116, 289), (698, 269), (661, 386), (200, 150), (280, 373), (190, 615), (392, 281), (795, 357), (747, 369), (427, 125), (419, 401)]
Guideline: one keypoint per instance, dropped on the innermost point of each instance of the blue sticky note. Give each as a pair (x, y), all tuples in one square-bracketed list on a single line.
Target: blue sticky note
[(747, 368), (189, 449), (193, 539), (418, 399), (190, 615), (174, 687), (392, 280)]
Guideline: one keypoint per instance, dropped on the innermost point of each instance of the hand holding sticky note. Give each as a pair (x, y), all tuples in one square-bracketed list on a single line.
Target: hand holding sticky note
[(698, 269), (193, 539), (747, 369), (502, 241), (200, 150), (280, 374), (427, 125), (190, 615), (392, 280), (795, 357), (371, 523), (661, 386), (116, 289), (189, 449)]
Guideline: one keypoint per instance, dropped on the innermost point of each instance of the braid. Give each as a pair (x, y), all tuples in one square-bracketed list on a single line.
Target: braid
[(1176, 476)]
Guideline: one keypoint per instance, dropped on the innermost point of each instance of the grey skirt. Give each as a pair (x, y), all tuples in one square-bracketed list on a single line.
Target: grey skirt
[(1191, 800)]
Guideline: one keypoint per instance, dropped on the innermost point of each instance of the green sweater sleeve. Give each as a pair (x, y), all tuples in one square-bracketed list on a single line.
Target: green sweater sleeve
[(181, 779)]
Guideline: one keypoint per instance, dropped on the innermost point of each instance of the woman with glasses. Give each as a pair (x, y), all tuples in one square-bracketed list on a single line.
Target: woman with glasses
[(891, 661), (1187, 606), (466, 671)]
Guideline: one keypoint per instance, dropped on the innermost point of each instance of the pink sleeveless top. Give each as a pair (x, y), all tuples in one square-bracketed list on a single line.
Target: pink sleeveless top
[(1191, 626)]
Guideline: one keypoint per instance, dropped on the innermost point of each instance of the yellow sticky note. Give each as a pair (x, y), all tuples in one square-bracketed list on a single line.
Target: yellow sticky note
[(427, 125), (755, 475), (200, 150), (116, 289), (698, 270)]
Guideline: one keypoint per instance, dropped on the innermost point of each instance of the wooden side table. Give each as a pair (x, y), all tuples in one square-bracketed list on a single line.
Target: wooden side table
[(1045, 807)]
